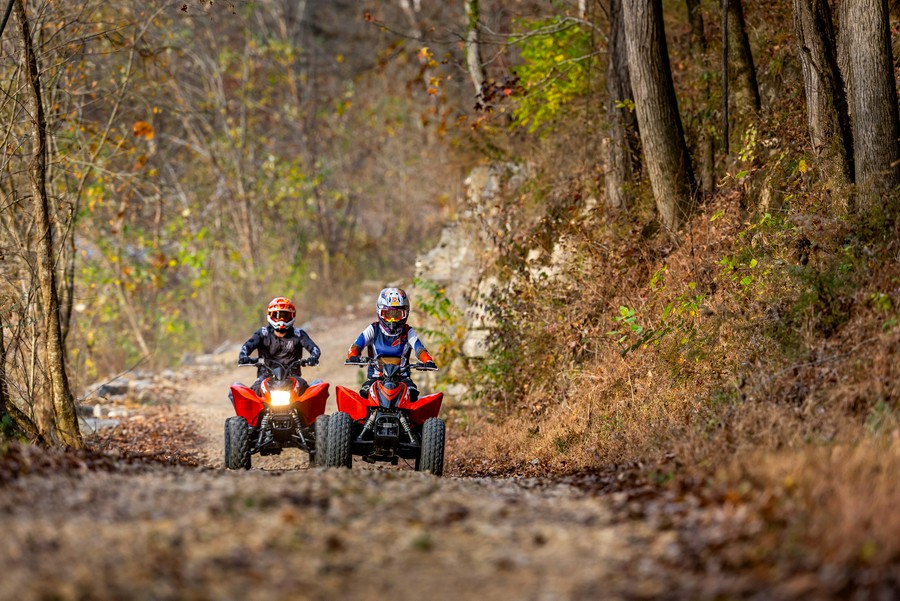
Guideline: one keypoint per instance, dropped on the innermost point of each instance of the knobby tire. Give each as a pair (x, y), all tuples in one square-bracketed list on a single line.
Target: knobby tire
[(321, 430), (237, 443), (337, 441), (431, 457)]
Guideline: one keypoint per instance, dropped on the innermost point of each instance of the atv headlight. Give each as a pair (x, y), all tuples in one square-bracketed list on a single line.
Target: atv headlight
[(280, 398)]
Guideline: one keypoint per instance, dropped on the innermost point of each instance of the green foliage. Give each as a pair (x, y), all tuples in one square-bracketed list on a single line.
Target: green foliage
[(8, 429), (557, 59), (748, 149), (751, 265), (827, 293), (881, 301), (446, 327), (678, 320), (883, 417)]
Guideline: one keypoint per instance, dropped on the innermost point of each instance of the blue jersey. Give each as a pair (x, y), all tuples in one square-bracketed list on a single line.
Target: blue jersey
[(393, 349)]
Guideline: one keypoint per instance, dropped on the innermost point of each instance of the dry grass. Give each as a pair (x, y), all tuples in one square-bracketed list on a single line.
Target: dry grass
[(839, 500)]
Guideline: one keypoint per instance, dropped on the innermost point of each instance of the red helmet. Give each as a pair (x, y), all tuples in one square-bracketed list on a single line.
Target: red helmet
[(281, 313)]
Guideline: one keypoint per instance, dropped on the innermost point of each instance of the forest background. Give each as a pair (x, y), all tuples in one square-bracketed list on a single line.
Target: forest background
[(723, 300)]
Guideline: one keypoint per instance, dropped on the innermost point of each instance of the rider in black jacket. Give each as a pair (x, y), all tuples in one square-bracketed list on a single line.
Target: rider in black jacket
[(279, 340)]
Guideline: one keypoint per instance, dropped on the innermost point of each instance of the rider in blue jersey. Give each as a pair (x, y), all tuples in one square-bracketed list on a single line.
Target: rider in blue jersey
[(391, 339)]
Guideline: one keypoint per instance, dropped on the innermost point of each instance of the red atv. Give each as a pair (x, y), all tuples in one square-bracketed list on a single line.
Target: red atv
[(386, 426), (286, 415)]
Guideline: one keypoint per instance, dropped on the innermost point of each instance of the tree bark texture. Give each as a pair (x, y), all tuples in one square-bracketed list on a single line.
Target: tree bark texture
[(4, 396), (726, 123), (57, 421), (826, 105), (741, 66), (623, 149), (695, 18), (706, 142), (662, 134), (473, 47), (876, 123)]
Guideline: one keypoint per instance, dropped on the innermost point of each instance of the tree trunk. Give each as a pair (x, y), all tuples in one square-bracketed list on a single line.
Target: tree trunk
[(741, 67), (695, 18), (4, 395), (623, 145), (58, 423), (876, 123), (662, 135), (707, 141), (826, 104), (473, 48)]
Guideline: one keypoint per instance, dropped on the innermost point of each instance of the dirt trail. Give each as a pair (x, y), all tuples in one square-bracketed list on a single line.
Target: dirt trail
[(285, 531)]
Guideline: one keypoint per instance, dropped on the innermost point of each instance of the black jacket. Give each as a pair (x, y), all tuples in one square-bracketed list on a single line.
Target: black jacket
[(284, 350)]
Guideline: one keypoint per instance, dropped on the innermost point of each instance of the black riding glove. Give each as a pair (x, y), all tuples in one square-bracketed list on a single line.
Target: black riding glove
[(353, 359), (312, 361), (247, 360), (430, 365)]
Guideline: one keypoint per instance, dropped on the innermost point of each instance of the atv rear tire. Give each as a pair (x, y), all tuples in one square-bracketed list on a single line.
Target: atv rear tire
[(337, 441), (321, 430), (431, 456), (237, 443)]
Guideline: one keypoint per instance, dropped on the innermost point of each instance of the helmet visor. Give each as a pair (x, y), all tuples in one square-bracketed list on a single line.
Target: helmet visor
[(281, 316), (393, 315)]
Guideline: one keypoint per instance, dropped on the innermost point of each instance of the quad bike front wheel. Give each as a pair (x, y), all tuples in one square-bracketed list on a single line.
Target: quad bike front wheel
[(321, 431), (237, 443), (337, 441), (431, 456)]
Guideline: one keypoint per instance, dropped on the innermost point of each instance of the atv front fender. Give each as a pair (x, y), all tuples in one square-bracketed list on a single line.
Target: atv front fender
[(352, 404), (246, 403), (427, 406), (312, 402)]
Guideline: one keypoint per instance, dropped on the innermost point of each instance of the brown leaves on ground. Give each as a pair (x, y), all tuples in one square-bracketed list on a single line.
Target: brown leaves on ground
[(159, 434), (18, 459)]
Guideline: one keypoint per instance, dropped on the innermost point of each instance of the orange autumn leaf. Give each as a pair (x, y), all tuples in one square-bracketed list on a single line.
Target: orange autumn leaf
[(142, 129)]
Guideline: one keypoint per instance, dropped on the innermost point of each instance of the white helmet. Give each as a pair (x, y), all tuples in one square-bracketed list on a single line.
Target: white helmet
[(393, 309)]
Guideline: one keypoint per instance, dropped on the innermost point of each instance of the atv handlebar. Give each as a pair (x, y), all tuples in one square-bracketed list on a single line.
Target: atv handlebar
[(367, 361), (257, 361)]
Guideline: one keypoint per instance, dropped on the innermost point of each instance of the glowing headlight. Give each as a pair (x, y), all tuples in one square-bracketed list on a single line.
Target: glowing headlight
[(281, 398)]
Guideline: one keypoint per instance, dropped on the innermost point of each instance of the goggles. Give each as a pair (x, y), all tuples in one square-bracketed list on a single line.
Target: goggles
[(281, 315), (391, 314)]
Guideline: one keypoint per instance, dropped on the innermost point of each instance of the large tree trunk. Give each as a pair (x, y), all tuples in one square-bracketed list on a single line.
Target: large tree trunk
[(876, 123), (57, 421), (826, 104), (662, 135), (623, 145), (473, 47)]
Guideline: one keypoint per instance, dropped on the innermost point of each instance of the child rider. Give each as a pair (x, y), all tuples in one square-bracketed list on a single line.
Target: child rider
[(391, 340)]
